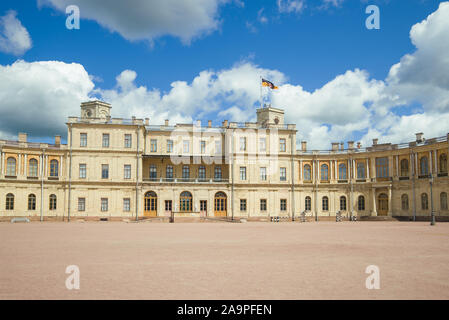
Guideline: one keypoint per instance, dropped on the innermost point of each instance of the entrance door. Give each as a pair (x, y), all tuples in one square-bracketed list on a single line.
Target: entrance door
[(382, 205), (220, 204), (150, 201), (203, 208)]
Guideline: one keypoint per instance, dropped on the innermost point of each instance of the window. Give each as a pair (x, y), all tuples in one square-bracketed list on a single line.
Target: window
[(127, 171), (282, 146), (404, 168), (325, 201), (11, 167), (153, 145), (105, 143), (308, 203), (217, 173), (186, 172), (83, 139), (54, 168), (283, 204), (169, 146), (203, 205), (423, 166), (242, 173), (32, 168), (443, 163), (307, 173), (169, 172), (263, 204), (343, 203), (342, 173), (443, 201), (9, 201), (263, 173), (424, 202), (126, 204), (168, 205), (81, 204), (217, 147), (104, 204), (52, 202), (262, 144), (382, 168), (186, 146), (153, 172), (185, 204), (128, 141), (105, 171), (203, 146), (242, 143), (82, 170), (361, 203), (31, 202), (324, 172), (242, 204), (283, 174), (202, 173), (361, 171), (404, 202)]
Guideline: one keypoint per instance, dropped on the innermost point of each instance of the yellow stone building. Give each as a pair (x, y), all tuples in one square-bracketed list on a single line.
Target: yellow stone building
[(129, 168)]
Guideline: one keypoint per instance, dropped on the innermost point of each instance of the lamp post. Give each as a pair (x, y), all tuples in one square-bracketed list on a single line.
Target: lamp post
[(432, 221)]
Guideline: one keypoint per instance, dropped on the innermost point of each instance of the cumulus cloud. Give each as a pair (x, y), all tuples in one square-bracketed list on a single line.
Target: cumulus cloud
[(14, 37), (149, 19), (290, 6)]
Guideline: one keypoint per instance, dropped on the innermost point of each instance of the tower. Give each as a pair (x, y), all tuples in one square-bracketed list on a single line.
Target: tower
[(95, 109), (270, 116)]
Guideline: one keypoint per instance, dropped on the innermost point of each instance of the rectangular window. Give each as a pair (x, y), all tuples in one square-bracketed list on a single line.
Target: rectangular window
[(283, 204), (128, 141), (169, 172), (126, 204), (105, 140), (168, 205), (82, 171), (153, 172), (203, 205), (185, 146), (203, 146), (202, 173), (282, 146), (242, 173), (81, 204), (83, 139), (263, 173), (104, 171), (361, 171), (127, 171), (169, 146), (186, 172), (218, 147), (263, 204), (217, 173), (242, 204), (262, 144), (283, 174), (242, 143), (382, 167), (104, 204), (153, 145)]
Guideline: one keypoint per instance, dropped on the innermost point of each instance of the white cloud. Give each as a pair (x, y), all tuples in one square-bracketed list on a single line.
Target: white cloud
[(14, 37), (290, 6), (149, 19)]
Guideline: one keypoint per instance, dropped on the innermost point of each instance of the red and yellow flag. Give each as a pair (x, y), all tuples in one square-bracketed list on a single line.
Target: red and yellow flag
[(266, 83)]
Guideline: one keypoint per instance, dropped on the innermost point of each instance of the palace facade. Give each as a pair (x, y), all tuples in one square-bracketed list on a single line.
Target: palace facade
[(131, 168)]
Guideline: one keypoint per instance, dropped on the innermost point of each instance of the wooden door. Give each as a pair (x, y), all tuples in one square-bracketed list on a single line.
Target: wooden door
[(382, 205), (150, 204), (220, 205)]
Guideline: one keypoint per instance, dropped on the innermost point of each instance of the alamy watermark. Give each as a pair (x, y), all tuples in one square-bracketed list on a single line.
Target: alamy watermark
[(373, 280), (373, 20), (73, 280), (73, 20)]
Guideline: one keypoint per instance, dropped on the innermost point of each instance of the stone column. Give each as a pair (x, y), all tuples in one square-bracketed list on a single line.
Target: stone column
[(374, 203), (367, 170), (430, 163), (390, 201)]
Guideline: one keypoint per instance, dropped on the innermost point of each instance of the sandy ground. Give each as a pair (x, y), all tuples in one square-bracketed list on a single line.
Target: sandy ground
[(324, 260)]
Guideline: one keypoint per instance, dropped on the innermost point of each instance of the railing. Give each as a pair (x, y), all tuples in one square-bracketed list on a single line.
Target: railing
[(186, 180)]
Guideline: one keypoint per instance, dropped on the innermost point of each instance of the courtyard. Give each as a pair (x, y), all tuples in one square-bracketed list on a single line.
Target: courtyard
[(254, 260)]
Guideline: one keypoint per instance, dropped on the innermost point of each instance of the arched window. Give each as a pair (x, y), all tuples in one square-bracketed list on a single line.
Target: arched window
[(343, 203), (325, 204), (31, 202), (307, 173), (324, 172), (361, 171), (185, 202), (443, 201), (11, 166), (54, 168), (424, 166), (361, 203), (150, 203), (404, 201), (443, 163), (220, 204), (52, 202), (342, 174), (404, 168), (424, 202), (32, 168), (9, 201), (308, 204)]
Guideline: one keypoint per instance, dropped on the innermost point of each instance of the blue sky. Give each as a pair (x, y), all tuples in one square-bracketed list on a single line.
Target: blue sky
[(308, 47)]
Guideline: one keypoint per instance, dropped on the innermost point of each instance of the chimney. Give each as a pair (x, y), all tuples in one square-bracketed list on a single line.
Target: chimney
[(304, 145), (225, 123), (375, 142), (359, 145), (57, 140), (147, 121), (419, 137), (22, 137), (342, 146), (335, 146), (350, 145), (198, 123), (166, 122), (209, 123)]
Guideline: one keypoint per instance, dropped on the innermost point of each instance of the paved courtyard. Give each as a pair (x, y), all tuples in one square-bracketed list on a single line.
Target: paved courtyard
[(324, 260)]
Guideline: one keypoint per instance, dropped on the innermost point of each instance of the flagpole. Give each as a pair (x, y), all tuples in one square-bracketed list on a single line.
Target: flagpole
[(260, 84)]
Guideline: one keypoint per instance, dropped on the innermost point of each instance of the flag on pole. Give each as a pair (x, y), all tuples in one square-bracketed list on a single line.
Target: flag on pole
[(266, 83)]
